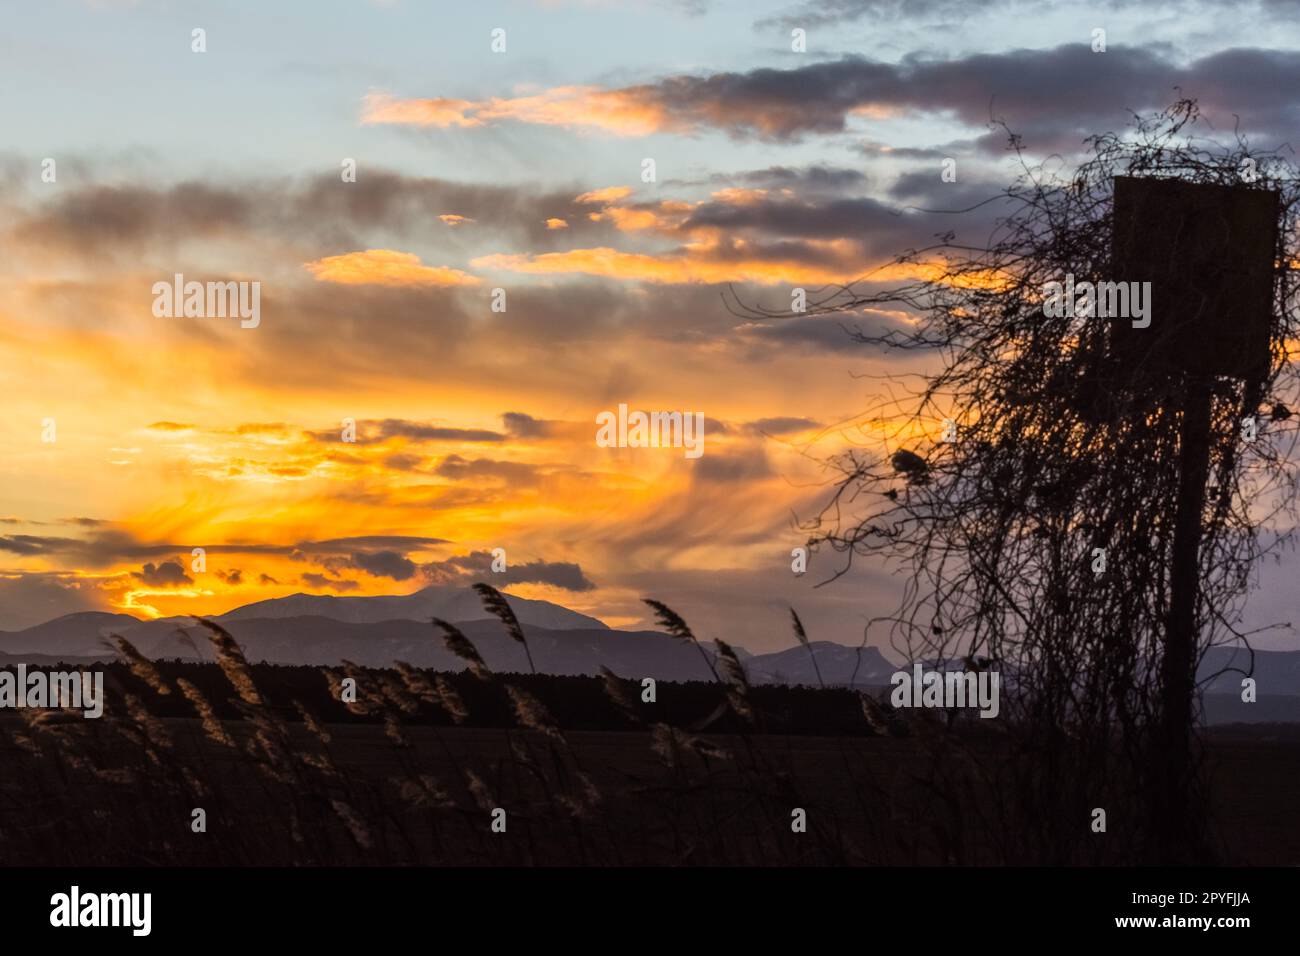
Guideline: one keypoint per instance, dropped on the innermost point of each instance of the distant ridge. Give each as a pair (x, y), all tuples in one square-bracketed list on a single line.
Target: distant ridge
[(450, 603), (79, 634), (310, 629)]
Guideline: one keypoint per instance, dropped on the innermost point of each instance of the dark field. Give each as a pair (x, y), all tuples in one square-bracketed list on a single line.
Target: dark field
[(352, 794)]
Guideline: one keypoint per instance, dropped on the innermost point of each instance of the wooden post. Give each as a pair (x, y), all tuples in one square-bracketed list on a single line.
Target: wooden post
[(1175, 828)]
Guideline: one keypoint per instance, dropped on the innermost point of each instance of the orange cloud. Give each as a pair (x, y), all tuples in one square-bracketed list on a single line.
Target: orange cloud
[(678, 268), (709, 261), (629, 112), (631, 220), (383, 108), (385, 267), (739, 197), (556, 224), (607, 195), (665, 217), (452, 219)]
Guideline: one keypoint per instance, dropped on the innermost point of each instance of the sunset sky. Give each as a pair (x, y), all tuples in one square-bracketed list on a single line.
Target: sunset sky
[(519, 170)]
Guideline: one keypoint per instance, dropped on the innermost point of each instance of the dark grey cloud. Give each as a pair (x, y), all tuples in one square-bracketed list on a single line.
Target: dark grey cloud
[(802, 179), (511, 472), (110, 546), (371, 432), (403, 462), (732, 467), (28, 545), (385, 564), (805, 178), (100, 218), (520, 425), (104, 220), (822, 13), (167, 574), (319, 582), (781, 426), (367, 542), (477, 566), (380, 556), (401, 205), (874, 150), (1068, 92), (819, 13), (416, 431), (234, 577), (972, 204), (871, 230), (794, 219)]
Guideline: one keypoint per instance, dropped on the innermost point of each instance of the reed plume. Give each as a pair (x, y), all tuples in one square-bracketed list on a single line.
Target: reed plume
[(417, 683), (140, 665), (232, 662), (450, 700), (207, 716), (482, 795), (495, 603), (532, 713), (737, 682), (875, 717), (356, 826), (802, 637), (671, 621), (464, 648), (616, 690)]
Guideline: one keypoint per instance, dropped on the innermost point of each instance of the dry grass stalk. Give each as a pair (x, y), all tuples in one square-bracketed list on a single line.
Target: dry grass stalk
[(355, 706), (422, 791), (211, 725), (232, 662), (417, 683), (450, 700), (874, 715), (802, 637), (393, 729), (312, 724), (669, 743), (482, 795), (496, 604), (671, 621), (464, 648), (140, 665), (152, 727), (737, 682), (532, 713), (616, 690), (356, 826)]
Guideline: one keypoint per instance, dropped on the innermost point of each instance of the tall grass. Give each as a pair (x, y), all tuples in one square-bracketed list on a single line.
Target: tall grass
[(674, 785)]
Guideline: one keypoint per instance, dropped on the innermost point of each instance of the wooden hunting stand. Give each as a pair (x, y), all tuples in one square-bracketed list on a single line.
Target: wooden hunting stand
[(1208, 251)]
